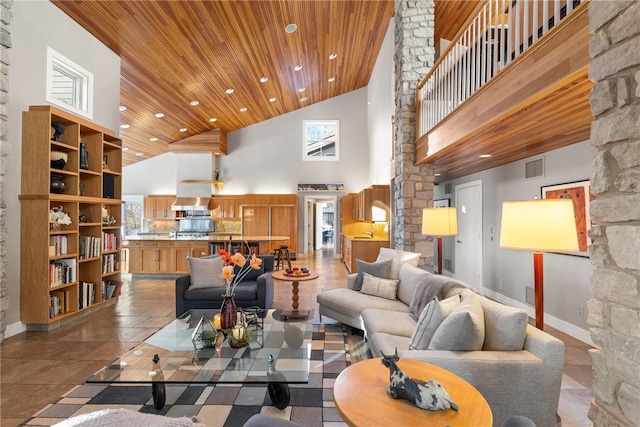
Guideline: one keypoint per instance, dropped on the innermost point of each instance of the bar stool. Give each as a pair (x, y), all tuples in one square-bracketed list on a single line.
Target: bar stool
[(253, 247), (281, 255)]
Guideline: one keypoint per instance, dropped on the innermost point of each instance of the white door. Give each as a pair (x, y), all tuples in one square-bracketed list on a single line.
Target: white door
[(468, 267)]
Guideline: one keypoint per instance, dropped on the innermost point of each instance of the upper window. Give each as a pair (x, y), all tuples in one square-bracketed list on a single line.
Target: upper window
[(68, 85), (320, 140)]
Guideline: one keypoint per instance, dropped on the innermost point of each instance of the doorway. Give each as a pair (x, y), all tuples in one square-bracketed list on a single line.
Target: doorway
[(320, 225), (468, 256)]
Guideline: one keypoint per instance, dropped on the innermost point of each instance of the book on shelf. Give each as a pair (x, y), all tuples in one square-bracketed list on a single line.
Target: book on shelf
[(59, 242), (111, 288), (62, 271), (86, 294), (59, 302), (110, 263), (111, 241), (89, 247)]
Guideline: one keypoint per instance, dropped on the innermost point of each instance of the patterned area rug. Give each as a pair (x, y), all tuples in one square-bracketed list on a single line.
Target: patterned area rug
[(334, 347)]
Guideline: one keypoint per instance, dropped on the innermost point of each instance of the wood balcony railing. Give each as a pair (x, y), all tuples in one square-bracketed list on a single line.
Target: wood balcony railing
[(513, 83)]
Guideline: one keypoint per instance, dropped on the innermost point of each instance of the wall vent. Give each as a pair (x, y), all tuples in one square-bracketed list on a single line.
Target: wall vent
[(529, 295), (534, 168), (447, 188), (447, 265)]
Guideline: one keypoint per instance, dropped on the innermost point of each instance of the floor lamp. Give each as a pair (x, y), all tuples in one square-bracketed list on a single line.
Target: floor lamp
[(546, 225), (439, 222)]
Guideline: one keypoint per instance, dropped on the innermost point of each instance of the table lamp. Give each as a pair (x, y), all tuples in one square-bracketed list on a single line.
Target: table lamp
[(439, 222), (546, 225)]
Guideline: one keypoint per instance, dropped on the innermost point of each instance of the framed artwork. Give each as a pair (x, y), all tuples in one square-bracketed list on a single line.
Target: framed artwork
[(441, 203), (580, 193), (321, 187)]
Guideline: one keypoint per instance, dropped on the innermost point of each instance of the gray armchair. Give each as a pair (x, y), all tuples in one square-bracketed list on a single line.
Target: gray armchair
[(250, 292)]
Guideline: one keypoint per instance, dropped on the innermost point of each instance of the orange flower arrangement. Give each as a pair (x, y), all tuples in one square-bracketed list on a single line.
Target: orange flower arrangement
[(237, 259)]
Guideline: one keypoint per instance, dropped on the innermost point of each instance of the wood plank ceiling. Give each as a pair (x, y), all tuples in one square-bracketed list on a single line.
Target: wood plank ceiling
[(176, 52)]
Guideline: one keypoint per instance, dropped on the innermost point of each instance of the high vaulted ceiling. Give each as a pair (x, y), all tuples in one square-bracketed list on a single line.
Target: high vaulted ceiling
[(175, 52)]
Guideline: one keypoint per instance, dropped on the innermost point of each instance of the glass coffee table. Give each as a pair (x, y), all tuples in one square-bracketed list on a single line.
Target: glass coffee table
[(277, 355)]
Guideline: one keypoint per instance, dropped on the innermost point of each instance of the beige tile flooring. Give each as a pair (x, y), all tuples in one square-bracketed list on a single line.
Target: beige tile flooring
[(38, 367)]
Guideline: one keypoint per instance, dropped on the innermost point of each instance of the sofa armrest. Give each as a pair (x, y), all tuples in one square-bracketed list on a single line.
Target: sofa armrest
[(182, 284), (265, 290), (351, 281)]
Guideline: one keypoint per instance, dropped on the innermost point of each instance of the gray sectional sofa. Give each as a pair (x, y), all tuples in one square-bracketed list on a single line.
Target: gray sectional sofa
[(516, 367)]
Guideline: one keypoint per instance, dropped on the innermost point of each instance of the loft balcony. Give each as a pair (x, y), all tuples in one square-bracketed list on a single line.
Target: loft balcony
[(511, 84)]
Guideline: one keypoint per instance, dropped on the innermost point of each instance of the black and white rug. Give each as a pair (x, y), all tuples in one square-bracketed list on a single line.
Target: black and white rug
[(334, 347)]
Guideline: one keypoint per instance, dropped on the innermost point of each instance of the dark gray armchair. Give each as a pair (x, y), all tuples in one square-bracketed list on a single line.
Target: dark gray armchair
[(250, 292)]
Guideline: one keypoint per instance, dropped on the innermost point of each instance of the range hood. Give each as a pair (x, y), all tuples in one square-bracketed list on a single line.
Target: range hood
[(193, 189)]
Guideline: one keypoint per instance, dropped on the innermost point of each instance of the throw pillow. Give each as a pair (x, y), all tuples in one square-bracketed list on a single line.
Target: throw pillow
[(206, 272), (463, 329), (398, 258), (379, 287), (377, 269), (430, 318)]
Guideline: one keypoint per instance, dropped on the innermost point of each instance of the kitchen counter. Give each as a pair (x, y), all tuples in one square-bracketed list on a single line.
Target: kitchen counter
[(365, 238), (361, 246), (211, 237)]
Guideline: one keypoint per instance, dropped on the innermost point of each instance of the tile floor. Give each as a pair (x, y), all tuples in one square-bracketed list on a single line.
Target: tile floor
[(36, 368)]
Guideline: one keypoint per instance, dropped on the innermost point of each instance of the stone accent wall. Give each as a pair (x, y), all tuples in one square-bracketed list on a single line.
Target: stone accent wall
[(614, 310), (412, 187), (5, 44)]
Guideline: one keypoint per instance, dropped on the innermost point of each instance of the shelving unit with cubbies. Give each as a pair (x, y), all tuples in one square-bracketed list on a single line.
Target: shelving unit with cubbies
[(62, 271)]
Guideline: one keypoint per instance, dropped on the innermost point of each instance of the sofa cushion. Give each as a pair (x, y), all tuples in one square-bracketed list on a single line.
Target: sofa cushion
[(411, 278), (377, 269), (391, 322), (463, 329), (505, 327), (430, 318), (205, 272), (351, 303), (377, 286), (398, 257)]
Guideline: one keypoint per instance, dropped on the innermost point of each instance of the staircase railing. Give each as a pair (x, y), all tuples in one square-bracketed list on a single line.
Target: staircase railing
[(500, 32)]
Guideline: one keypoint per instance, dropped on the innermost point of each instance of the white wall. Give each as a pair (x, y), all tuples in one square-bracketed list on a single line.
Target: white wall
[(566, 277), (36, 25), (380, 109)]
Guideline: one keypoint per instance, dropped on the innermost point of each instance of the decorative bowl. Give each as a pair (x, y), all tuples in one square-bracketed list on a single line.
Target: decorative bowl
[(58, 159)]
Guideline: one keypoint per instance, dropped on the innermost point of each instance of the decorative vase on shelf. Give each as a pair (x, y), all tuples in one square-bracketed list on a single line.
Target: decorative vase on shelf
[(228, 312), (84, 156), (54, 226), (57, 183)]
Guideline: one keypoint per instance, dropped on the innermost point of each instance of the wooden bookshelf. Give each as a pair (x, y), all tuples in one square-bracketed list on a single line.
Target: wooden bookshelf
[(56, 268)]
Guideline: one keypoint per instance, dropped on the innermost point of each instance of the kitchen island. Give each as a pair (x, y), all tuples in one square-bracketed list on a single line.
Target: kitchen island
[(163, 253), (361, 247)]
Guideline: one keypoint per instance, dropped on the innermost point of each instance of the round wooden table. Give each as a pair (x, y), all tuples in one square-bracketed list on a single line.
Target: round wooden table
[(360, 395), (294, 314)]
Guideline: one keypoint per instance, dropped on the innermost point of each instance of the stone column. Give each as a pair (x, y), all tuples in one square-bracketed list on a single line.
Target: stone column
[(412, 187), (614, 310), (5, 44)]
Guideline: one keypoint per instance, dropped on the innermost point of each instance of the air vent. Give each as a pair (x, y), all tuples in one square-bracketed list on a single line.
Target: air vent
[(534, 168), (447, 188), (447, 265), (529, 295)]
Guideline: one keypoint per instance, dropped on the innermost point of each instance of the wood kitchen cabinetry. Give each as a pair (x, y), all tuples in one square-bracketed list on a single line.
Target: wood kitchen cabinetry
[(164, 256), (67, 271), (183, 250), (271, 215), (375, 196), (159, 207), (225, 208), (362, 249)]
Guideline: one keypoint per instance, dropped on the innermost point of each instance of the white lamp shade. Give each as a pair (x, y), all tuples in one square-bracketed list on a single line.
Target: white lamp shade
[(439, 222), (545, 225)]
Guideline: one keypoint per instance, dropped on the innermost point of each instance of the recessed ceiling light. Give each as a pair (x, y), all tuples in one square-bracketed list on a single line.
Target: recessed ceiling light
[(229, 91), (243, 109), (272, 99), (301, 89), (154, 139), (159, 115), (213, 119), (183, 129), (484, 156), (291, 28), (436, 174), (125, 148), (304, 98), (194, 103), (298, 67), (264, 79), (125, 126), (139, 154), (333, 56), (122, 108), (332, 79)]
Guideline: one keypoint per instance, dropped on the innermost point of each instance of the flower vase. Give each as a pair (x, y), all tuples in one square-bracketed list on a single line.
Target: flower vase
[(55, 226), (228, 312)]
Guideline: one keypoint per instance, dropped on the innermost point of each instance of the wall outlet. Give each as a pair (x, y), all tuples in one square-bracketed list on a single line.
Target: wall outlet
[(501, 284), (581, 312)]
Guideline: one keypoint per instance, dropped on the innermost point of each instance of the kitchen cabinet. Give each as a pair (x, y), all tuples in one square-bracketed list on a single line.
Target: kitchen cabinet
[(377, 196), (163, 256), (183, 250), (225, 208), (159, 207), (362, 249), (271, 215)]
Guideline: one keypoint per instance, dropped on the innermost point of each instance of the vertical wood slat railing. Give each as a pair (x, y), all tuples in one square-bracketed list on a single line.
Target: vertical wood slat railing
[(491, 39)]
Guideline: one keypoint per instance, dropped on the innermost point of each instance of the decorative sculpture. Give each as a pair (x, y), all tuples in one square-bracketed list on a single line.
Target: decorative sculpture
[(424, 394), (58, 129)]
